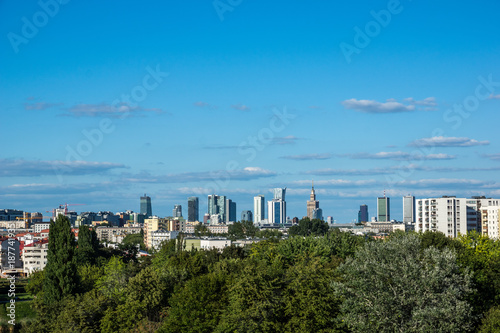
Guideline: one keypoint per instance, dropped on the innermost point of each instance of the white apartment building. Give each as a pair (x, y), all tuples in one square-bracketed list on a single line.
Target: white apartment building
[(159, 236), (35, 256), (450, 215), (490, 222), (39, 226)]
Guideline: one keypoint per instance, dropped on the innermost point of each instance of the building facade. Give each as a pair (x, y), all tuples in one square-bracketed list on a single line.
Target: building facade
[(363, 214), (383, 209), (177, 211), (409, 209), (246, 215), (193, 209), (259, 208), (312, 203), (146, 208)]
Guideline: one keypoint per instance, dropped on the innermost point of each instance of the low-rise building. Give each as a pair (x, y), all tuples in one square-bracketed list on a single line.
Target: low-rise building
[(159, 236), (106, 234), (214, 243), (35, 256)]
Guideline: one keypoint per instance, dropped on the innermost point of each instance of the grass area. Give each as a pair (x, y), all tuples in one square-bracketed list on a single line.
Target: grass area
[(24, 313), (21, 293)]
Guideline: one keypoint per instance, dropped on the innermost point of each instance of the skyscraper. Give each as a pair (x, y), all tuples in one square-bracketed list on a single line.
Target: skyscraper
[(383, 209), (212, 204), (408, 209), (222, 207), (193, 209), (279, 193), (276, 208), (146, 206), (363, 214), (317, 213), (276, 211), (177, 211), (246, 215), (312, 203), (230, 211), (259, 208)]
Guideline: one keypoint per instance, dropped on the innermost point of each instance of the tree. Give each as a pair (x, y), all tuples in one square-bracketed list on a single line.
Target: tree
[(308, 227), (242, 229), (60, 271), (393, 286), (88, 245)]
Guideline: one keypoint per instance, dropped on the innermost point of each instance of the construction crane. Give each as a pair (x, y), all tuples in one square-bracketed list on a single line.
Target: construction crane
[(65, 207), (26, 218)]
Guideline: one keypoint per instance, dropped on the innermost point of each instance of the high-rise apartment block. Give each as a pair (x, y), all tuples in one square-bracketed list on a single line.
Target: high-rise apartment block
[(453, 216)]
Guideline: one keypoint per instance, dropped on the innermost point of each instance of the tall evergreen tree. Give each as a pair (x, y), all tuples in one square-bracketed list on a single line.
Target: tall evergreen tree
[(60, 271), (88, 245)]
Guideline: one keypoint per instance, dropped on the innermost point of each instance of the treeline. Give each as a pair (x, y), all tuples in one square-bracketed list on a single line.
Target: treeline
[(336, 282)]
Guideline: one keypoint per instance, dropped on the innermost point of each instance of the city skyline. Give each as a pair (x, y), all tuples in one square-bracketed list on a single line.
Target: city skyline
[(186, 100)]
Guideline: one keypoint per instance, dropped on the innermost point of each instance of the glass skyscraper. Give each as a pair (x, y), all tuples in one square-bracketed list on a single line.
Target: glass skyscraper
[(383, 209), (146, 206), (193, 209)]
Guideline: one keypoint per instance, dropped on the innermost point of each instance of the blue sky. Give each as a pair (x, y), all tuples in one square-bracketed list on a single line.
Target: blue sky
[(103, 102)]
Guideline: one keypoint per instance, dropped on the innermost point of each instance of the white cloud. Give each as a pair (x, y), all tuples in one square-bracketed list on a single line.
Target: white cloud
[(305, 157), (400, 155), (371, 106), (240, 107), (441, 141)]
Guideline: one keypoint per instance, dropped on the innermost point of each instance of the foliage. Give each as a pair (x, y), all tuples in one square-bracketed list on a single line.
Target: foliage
[(60, 271), (201, 230), (491, 322), (114, 281), (405, 289), (243, 229), (88, 245), (308, 227)]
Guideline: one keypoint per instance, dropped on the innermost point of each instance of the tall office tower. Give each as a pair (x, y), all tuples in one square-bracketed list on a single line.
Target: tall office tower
[(329, 219), (230, 211), (279, 193), (246, 215), (222, 208), (408, 209), (317, 213), (383, 209), (193, 209), (259, 208), (177, 212), (146, 206), (276, 211), (312, 203), (212, 204), (363, 214)]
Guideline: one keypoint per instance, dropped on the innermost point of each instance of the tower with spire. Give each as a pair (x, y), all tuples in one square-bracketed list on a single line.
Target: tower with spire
[(312, 203)]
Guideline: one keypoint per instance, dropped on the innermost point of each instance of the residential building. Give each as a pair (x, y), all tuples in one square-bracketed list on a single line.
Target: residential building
[(35, 256), (259, 208), (146, 208), (106, 234), (159, 236), (383, 209), (150, 225), (453, 216), (39, 226), (193, 209)]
